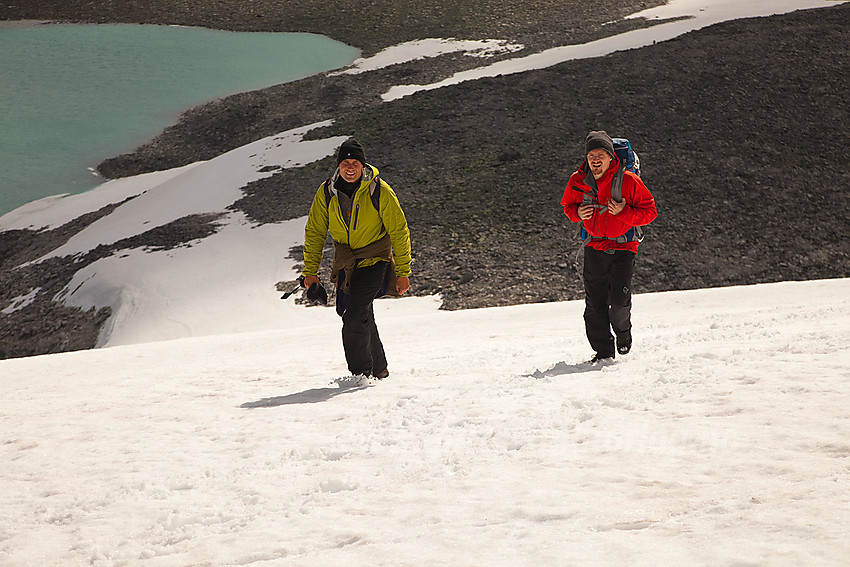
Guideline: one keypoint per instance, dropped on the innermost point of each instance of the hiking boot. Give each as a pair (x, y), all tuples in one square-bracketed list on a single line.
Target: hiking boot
[(382, 374), (602, 358), (624, 342)]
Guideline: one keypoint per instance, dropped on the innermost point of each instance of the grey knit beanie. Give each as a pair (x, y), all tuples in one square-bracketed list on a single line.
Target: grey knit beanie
[(599, 139)]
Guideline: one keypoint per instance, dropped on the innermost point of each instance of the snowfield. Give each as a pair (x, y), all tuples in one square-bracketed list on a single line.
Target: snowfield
[(722, 439)]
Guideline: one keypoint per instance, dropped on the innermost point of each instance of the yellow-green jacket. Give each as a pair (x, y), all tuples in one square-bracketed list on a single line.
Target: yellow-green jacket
[(367, 224)]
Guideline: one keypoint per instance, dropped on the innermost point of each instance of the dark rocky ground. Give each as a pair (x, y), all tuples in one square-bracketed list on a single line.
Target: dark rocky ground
[(740, 128)]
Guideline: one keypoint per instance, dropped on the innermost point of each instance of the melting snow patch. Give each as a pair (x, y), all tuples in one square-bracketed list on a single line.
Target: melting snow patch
[(21, 301), (431, 47)]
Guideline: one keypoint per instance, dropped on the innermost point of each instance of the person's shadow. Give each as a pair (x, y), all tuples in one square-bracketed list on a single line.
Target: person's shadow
[(562, 368), (314, 396)]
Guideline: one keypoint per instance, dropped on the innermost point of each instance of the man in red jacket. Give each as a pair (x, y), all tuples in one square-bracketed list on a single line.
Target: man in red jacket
[(609, 254)]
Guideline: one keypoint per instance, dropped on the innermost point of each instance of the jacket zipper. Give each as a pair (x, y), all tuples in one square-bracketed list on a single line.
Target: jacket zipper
[(353, 225)]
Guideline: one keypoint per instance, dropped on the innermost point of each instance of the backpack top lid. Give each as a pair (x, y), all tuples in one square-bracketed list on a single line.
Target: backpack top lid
[(626, 154)]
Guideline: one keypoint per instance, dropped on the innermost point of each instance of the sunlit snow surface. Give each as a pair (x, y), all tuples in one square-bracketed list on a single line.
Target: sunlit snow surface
[(722, 439)]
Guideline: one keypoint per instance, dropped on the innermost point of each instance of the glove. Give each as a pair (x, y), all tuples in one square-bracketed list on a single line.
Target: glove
[(316, 292)]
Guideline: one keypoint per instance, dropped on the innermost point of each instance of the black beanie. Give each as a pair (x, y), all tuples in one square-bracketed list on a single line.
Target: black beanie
[(351, 149), (599, 139)]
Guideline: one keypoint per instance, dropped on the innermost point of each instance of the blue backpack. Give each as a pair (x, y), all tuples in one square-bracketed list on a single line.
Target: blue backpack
[(628, 160)]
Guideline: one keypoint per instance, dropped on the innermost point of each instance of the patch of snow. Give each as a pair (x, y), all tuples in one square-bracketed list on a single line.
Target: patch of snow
[(424, 48), (21, 301), (203, 187)]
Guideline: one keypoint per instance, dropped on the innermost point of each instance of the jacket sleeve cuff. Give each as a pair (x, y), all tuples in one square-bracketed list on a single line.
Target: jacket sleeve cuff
[(571, 211)]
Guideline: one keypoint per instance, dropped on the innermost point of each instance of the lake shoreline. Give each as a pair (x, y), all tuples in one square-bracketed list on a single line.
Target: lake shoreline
[(77, 94), (21, 24)]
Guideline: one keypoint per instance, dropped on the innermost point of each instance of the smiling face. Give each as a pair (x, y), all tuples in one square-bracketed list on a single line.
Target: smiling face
[(350, 169), (599, 160)]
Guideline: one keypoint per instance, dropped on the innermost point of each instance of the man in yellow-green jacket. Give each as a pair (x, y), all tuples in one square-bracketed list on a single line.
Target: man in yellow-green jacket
[(371, 252)]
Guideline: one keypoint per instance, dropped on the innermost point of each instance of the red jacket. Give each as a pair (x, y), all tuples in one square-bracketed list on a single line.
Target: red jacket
[(639, 209)]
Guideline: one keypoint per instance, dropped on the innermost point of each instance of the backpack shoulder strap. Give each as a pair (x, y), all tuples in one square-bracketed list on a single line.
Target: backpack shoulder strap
[(375, 193), (590, 181), (326, 186), (617, 182)]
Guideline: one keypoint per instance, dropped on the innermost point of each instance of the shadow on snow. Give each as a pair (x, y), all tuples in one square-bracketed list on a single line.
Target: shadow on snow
[(562, 368), (313, 396)]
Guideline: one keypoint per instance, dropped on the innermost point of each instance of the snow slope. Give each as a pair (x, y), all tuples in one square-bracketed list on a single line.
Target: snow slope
[(721, 440), (188, 291)]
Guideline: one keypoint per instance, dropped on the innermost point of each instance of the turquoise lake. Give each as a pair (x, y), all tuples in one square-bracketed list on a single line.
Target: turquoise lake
[(74, 95)]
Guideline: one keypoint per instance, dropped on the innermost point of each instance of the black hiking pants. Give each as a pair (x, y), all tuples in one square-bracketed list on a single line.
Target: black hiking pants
[(363, 349), (607, 297)]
